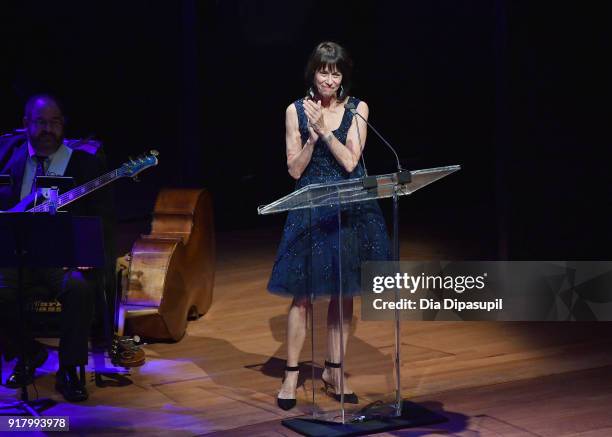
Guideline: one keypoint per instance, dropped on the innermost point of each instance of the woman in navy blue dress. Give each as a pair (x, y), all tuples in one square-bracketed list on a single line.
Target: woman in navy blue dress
[(324, 142)]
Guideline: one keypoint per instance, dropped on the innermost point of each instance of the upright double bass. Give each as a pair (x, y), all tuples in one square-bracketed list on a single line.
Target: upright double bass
[(172, 270)]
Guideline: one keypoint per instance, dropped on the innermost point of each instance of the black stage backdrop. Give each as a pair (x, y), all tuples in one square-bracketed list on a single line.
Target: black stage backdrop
[(514, 91)]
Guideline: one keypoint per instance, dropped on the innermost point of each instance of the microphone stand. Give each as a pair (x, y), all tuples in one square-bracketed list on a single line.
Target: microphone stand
[(369, 182), (403, 176)]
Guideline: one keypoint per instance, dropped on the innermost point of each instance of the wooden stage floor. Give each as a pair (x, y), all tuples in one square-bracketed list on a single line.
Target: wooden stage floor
[(488, 379)]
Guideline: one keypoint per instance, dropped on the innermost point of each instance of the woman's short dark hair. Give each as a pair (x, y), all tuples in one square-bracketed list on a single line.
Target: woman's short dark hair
[(330, 53)]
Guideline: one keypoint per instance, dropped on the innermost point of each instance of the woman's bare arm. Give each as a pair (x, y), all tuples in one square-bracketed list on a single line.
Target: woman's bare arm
[(298, 156)]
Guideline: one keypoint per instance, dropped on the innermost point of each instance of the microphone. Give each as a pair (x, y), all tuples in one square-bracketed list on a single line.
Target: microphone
[(403, 175)]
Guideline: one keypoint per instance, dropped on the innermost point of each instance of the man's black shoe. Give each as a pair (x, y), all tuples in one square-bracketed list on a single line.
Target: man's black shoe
[(69, 385), (23, 373)]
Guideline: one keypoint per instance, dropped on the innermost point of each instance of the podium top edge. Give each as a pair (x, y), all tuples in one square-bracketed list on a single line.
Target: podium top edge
[(340, 184)]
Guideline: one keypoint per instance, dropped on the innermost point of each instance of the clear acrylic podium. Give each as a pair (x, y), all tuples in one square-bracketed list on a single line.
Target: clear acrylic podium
[(337, 197)]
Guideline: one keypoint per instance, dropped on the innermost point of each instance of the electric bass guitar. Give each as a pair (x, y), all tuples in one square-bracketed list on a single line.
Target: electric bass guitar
[(128, 169)]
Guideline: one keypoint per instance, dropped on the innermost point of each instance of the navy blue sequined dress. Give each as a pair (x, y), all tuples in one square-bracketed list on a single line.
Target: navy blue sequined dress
[(307, 260)]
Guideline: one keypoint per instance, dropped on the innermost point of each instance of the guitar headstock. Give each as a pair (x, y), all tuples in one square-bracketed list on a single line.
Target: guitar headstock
[(142, 162)]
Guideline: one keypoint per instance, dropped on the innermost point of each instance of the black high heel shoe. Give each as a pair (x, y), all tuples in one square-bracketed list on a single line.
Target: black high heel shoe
[(287, 404), (330, 389)]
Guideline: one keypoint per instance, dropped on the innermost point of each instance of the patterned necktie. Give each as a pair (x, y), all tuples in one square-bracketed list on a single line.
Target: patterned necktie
[(40, 170)]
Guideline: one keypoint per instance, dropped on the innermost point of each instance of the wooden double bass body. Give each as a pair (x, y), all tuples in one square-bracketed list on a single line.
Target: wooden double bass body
[(172, 270)]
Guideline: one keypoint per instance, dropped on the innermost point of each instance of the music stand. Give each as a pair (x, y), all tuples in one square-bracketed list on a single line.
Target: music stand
[(69, 242)]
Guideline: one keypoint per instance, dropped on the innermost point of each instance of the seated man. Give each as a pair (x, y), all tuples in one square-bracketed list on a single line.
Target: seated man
[(43, 151)]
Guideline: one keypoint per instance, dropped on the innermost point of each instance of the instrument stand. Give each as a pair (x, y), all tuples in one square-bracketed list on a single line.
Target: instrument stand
[(102, 375), (110, 376)]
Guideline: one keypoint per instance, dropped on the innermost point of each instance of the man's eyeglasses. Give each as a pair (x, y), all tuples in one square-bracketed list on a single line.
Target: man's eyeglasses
[(53, 124)]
